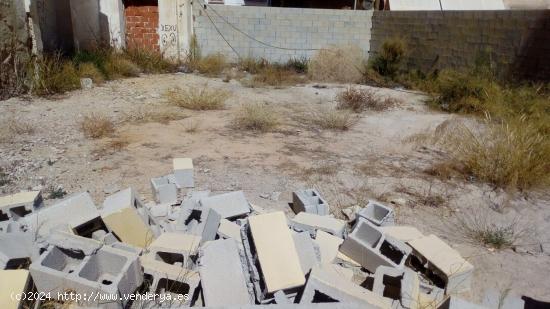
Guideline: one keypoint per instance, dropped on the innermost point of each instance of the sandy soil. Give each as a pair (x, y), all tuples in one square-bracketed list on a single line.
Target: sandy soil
[(376, 159)]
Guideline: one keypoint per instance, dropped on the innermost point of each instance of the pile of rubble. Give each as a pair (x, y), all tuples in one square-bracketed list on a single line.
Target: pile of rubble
[(191, 248)]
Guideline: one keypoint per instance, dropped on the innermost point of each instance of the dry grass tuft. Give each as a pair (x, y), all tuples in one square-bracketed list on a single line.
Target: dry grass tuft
[(337, 64), (55, 75), (358, 100), (89, 70), (509, 155), (110, 147), (13, 127), (96, 126), (196, 98), (256, 117), (211, 65), (276, 76), (117, 66), (192, 126), (331, 119)]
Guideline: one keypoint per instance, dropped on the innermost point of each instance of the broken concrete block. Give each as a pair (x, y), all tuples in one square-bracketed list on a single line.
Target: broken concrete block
[(16, 250), (308, 222), (403, 233), (121, 215), (14, 283), (196, 220), (326, 285), (368, 246), (163, 278), (400, 285), (183, 172), (308, 252), (77, 211), (164, 191), (328, 247), (74, 243), (378, 214), (18, 205), (160, 210), (228, 205), (278, 259), (86, 83), (447, 269), (175, 248), (221, 259), (109, 271), (453, 302), (228, 229), (309, 201)]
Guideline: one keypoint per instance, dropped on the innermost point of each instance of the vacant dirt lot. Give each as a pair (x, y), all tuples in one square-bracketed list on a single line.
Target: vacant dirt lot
[(383, 156)]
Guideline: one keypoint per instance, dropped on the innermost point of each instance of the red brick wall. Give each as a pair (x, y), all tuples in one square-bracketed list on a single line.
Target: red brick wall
[(142, 23)]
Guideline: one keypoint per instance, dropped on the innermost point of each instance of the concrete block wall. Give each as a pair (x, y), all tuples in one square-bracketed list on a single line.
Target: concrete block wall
[(519, 40), (293, 28)]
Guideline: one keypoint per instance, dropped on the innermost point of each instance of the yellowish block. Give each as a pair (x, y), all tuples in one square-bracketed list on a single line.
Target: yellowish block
[(12, 282), (277, 254), (182, 163), (21, 198), (129, 227)]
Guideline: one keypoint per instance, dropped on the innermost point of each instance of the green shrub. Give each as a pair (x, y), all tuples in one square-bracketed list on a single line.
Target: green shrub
[(388, 61), (117, 66), (55, 75), (299, 65)]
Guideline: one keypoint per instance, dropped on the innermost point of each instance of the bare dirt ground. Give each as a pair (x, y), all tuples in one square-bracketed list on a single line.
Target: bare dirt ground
[(379, 158)]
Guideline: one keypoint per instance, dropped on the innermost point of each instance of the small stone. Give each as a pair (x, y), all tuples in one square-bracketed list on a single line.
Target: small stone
[(86, 83)]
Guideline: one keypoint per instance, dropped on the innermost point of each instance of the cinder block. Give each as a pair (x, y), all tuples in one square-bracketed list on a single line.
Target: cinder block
[(378, 214), (453, 302), (432, 255), (196, 220), (163, 278), (228, 205), (160, 210), (228, 229), (16, 250), (74, 243), (19, 205), (183, 172), (304, 221), (77, 211), (13, 282), (278, 259), (400, 285), (221, 259), (368, 246), (326, 285), (308, 252), (309, 201), (328, 247), (125, 215), (175, 249), (403, 233), (164, 191), (109, 271)]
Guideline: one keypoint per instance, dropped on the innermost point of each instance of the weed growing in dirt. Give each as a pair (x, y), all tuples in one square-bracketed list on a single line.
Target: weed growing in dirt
[(89, 70), (55, 75), (276, 76), (510, 155), (358, 100), (160, 114), (55, 192), (149, 61), (211, 65), (117, 66), (4, 178), (388, 61), (333, 119), (96, 126), (337, 64), (256, 117), (252, 65), (299, 65), (198, 98), (481, 228)]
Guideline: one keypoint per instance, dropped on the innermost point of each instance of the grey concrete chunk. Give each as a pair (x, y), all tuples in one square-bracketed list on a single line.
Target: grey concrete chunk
[(109, 271), (308, 252), (378, 214), (400, 285), (197, 220), (228, 205), (222, 259), (74, 243), (309, 201), (309, 222), (18, 205), (183, 172), (368, 246), (164, 191), (16, 250)]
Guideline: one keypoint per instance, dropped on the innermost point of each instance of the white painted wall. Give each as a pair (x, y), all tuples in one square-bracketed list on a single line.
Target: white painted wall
[(175, 27), (467, 5), (111, 21), (415, 5)]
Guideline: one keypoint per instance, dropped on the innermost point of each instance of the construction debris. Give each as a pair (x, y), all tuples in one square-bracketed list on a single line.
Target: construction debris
[(197, 249)]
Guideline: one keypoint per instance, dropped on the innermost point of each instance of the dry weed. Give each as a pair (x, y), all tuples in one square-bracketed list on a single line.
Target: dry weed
[(89, 70), (192, 126), (117, 66), (14, 127), (96, 125), (356, 99), (275, 76), (326, 118), (211, 65), (110, 146), (196, 98), (256, 117), (337, 64), (160, 114)]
